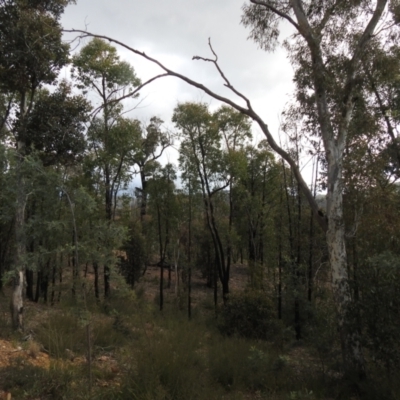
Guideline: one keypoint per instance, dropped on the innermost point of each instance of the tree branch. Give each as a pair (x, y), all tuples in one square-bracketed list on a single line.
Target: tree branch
[(227, 83), (247, 111), (349, 85), (130, 94), (276, 11)]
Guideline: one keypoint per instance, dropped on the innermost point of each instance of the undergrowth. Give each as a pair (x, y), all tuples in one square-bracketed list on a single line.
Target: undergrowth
[(139, 353)]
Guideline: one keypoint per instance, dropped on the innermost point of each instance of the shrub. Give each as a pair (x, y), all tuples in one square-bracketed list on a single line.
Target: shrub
[(379, 307), (250, 314), (61, 335)]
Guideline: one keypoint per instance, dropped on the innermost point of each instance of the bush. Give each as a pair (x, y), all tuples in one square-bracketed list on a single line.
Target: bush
[(251, 315), (169, 365), (62, 335), (379, 307)]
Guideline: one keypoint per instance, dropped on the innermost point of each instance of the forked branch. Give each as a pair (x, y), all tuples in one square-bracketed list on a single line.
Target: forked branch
[(246, 111)]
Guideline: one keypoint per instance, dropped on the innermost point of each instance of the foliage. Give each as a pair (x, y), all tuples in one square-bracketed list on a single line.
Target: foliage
[(56, 126), (379, 307), (251, 315), (31, 49)]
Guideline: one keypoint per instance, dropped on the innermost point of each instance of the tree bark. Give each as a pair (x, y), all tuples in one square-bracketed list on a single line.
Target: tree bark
[(17, 302)]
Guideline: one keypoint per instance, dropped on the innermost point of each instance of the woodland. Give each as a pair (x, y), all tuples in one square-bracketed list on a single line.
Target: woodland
[(225, 275)]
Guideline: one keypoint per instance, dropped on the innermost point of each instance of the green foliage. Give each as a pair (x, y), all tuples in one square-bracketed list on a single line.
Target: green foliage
[(379, 308), (31, 50), (250, 315), (235, 364), (97, 62), (320, 333), (56, 126), (136, 255)]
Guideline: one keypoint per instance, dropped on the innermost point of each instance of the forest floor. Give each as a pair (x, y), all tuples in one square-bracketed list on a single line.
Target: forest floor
[(23, 350), (131, 338)]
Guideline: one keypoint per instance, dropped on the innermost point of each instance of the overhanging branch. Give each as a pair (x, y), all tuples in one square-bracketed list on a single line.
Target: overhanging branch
[(247, 111)]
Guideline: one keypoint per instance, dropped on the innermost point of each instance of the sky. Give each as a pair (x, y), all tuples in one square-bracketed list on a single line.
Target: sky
[(173, 31)]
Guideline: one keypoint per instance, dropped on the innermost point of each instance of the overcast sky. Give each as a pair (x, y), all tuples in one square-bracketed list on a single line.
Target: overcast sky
[(173, 31)]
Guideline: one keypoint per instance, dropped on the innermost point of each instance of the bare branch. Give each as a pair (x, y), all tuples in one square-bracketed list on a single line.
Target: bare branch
[(227, 83), (130, 94), (247, 111)]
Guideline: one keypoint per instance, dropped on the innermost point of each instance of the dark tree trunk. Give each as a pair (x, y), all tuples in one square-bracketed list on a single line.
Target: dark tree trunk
[(215, 287), (189, 298), (53, 281), (96, 280), (38, 285), (29, 284), (162, 286), (106, 281)]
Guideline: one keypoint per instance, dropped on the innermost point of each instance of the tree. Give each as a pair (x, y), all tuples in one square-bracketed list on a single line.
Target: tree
[(320, 29), (32, 53), (338, 30), (99, 68), (201, 154), (56, 127), (163, 207), (151, 145)]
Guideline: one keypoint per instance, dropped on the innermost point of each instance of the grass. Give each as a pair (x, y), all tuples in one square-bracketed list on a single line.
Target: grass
[(141, 354)]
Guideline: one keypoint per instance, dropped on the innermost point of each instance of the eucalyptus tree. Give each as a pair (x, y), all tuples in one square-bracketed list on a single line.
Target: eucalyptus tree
[(211, 154), (152, 143), (201, 153), (97, 67), (163, 208), (235, 130), (31, 54), (56, 127), (337, 30), (327, 51)]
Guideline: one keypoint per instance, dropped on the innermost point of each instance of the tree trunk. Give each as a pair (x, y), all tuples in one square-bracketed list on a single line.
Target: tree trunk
[(162, 286), (53, 281), (17, 302), (96, 280), (106, 281), (335, 236), (189, 298), (38, 285), (29, 284)]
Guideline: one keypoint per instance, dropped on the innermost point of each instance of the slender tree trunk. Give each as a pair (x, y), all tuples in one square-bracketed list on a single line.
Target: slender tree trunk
[(60, 277), (53, 281), (280, 258), (189, 292), (162, 286), (143, 203), (96, 280), (311, 238), (17, 303), (108, 204), (215, 287), (189, 286), (38, 285), (44, 287), (29, 284), (296, 275)]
